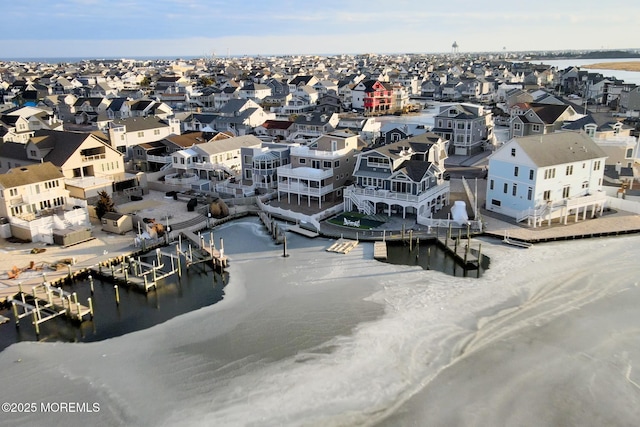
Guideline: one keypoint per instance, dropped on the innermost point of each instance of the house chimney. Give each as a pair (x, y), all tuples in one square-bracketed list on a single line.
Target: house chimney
[(618, 168)]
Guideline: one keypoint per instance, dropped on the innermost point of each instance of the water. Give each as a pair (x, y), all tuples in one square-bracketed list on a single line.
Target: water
[(547, 336), (198, 287), (429, 256), (627, 76)]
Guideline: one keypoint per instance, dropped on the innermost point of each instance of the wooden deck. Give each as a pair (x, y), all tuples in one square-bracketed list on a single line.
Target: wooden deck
[(380, 250), (343, 246), (460, 249)]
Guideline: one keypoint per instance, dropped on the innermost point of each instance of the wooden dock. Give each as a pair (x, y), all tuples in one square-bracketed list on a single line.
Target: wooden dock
[(303, 231), (47, 302), (199, 252), (380, 250), (272, 227), (143, 275), (343, 246), (461, 250)]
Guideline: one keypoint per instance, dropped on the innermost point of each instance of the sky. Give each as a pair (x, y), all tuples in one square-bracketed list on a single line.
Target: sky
[(186, 28)]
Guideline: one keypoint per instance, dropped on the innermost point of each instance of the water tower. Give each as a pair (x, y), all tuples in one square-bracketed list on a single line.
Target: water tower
[(454, 48)]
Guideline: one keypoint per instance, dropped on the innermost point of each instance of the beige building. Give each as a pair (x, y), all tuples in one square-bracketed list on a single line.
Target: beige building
[(318, 172), (88, 163), (35, 201)]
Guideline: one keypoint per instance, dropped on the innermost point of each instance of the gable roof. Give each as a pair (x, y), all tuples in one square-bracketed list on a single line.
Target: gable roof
[(25, 175), (559, 148)]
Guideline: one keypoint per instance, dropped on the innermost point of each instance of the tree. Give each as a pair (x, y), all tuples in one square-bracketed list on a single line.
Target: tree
[(146, 82), (206, 81), (104, 204)]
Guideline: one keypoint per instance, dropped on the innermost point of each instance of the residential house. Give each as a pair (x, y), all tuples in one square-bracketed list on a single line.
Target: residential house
[(254, 91), (404, 177), (260, 164), (394, 132), (372, 96), (538, 119), (466, 126), (276, 129), (87, 165), (213, 159), (156, 155), (127, 133), (319, 171), (542, 177), (241, 116), (368, 128), (149, 107), (119, 108), (312, 125), (35, 201), (19, 123)]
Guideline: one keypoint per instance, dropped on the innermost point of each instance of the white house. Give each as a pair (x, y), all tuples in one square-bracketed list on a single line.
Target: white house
[(549, 176)]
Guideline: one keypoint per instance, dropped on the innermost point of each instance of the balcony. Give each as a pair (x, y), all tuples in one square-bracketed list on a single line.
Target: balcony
[(305, 190), (304, 173), (93, 157), (390, 196), (159, 159)]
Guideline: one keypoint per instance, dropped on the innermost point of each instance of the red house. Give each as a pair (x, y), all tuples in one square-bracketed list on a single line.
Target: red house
[(372, 96)]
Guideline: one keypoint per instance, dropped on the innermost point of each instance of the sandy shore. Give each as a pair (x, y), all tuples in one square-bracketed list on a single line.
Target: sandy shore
[(622, 66)]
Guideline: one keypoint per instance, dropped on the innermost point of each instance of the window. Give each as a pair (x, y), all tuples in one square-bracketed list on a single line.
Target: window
[(32, 153), (529, 193), (326, 164), (513, 152), (337, 163), (596, 165), (156, 131), (505, 188), (585, 184), (141, 134), (547, 195), (550, 173), (517, 126), (629, 153), (515, 171), (495, 202), (491, 185), (570, 170), (303, 161), (565, 192), (535, 128), (514, 189), (531, 174), (13, 192)]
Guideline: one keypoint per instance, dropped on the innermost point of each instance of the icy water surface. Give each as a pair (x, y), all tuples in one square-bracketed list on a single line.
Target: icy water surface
[(547, 336)]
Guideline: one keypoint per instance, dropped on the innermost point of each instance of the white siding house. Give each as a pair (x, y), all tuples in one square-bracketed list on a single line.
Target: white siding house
[(546, 176)]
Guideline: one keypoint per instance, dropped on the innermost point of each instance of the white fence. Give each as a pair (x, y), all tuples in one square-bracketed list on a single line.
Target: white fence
[(623, 205), (314, 220)]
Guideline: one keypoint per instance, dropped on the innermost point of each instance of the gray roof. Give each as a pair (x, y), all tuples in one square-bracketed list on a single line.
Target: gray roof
[(559, 148)]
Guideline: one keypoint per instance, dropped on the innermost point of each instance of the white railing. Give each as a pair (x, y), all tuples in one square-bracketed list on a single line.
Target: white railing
[(475, 226), (304, 173), (159, 159), (598, 197), (188, 180), (385, 195), (213, 166), (304, 189)]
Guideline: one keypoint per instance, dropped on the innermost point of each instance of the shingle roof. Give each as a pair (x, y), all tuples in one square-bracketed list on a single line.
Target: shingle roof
[(559, 148), (25, 175)]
